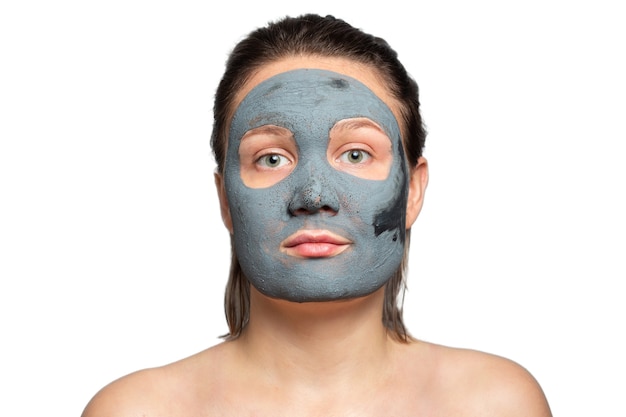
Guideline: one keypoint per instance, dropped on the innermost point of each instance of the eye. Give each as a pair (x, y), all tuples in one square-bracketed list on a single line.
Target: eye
[(355, 156), (360, 147), (267, 155), (273, 160)]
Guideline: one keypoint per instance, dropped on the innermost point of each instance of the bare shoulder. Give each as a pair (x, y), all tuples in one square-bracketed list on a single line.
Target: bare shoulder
[(471, 382), (169, 390), (498, 385), (131, 395)]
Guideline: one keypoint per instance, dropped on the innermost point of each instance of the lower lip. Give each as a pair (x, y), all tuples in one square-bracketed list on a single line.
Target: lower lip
[(316, 250)]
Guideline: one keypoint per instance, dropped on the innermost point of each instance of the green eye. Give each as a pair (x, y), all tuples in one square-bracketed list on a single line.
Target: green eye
[(272, 160), (355, 156)]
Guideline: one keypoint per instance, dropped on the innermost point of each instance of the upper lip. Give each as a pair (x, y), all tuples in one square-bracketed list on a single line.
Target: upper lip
[(314, 236)]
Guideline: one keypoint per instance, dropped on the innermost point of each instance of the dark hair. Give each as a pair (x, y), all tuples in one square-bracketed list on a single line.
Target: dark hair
[(328, 36)]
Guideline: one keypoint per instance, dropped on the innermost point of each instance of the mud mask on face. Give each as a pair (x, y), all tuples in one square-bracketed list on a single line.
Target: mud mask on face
[(315, 196)]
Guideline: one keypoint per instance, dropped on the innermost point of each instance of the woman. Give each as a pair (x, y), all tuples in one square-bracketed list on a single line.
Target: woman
[(318, 141)]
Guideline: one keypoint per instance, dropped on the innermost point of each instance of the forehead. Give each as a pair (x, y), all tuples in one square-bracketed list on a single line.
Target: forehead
[(312, 100), (366, 75)]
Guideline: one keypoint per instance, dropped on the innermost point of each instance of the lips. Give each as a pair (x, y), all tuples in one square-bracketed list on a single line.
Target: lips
[(314, 244)]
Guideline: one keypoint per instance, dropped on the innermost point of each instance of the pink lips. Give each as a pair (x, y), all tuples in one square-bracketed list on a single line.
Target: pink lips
[(314, 244)]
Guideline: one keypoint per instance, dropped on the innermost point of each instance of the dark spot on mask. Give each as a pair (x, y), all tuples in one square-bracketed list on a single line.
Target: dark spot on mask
[(272, 89), (339, 83), (393, 218), (267, 118)]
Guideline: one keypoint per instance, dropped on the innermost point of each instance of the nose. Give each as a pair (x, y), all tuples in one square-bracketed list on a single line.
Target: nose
[(314, 195)]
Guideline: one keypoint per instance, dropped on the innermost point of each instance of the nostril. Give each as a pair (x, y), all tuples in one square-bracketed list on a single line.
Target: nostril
[(299, 212), (304, 210), (328, 209)]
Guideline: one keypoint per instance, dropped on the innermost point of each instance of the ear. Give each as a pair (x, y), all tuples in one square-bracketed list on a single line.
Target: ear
[(417, 188), (224, 208)]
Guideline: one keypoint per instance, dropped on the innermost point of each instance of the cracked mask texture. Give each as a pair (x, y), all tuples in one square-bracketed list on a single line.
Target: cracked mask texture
[(371, 213)]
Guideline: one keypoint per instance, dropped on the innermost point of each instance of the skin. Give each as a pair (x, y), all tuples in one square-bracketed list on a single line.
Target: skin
[(326, 358)]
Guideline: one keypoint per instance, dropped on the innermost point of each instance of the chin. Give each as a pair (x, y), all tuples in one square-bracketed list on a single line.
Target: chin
[(316, 295)]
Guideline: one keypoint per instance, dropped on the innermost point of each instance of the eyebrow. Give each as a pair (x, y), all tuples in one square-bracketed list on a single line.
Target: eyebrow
[(268, 130), (354, 124)]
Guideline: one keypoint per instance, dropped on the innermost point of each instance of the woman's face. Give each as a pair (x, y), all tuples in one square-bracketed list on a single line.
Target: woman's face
[(316, 181)]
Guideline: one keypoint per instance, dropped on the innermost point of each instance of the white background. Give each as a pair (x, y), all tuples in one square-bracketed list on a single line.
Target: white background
[(113, 257)]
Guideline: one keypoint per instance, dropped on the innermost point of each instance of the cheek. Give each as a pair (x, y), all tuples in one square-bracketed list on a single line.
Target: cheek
[(261, 212)]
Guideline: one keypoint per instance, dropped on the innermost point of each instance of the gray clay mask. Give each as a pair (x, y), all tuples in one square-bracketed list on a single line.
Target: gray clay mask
[(315, 199)]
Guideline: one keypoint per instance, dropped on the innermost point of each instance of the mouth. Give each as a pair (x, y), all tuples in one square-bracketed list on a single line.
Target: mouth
[(314, 244)]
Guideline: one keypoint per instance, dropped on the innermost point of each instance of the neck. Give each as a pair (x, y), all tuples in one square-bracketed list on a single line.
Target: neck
[(317, 343)]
